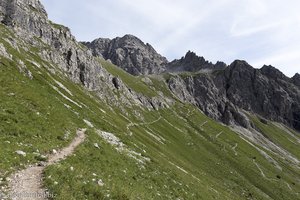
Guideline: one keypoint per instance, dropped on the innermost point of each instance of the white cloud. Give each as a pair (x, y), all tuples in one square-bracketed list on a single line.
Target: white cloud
[(239, 30), (260, 31)]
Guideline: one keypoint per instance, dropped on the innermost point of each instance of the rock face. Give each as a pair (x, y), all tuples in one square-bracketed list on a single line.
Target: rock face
[(296, 79), (29, 21), (227, 95), (129, 53), (193, 63)]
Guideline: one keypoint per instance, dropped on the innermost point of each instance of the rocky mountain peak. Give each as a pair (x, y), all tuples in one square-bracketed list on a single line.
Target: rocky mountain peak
[(130, 40), (194, 59), (239, 68), (14, 12), (220, 65), (193, 56), (29, 20), (129, 53), (102, 45), (296, 79), (191, 62), (240, 65), (297, 76), (272, 72)]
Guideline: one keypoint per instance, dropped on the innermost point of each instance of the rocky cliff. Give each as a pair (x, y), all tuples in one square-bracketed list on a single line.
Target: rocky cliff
[(229, 94), (29, 20), (129, 53)]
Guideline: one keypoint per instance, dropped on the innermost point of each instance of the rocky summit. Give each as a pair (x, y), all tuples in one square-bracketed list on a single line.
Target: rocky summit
[(296, 79), (130, 53), (193, 63), (113, 119)]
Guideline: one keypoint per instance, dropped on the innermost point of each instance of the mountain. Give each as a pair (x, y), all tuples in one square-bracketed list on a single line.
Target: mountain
[(193, 63), (296, 79), (130, 53), (222, 92), (204, 132), (228, 94)]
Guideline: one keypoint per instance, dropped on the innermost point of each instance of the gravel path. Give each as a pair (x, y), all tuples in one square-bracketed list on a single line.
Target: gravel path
[(28, 183)]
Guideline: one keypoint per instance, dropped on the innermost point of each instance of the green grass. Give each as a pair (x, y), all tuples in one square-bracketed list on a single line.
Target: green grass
[(213, 169), (160, 85), (278, 137), (133, 82)]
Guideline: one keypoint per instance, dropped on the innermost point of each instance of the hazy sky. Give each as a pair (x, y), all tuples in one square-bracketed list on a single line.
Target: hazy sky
[(259, 31)]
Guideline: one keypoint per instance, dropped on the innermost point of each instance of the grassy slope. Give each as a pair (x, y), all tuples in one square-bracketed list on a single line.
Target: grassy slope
[(274, 133), (131, 81), (188, 160), (30, 120), (207, 167)]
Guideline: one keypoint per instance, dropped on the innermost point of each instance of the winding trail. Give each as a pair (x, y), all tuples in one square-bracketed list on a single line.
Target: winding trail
[(141, 124), (201, 125), (28, 183), (234, 149), (262, 172), (218, 134)]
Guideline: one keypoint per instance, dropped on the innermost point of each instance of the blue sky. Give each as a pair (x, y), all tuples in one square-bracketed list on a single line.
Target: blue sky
[(258, 31)]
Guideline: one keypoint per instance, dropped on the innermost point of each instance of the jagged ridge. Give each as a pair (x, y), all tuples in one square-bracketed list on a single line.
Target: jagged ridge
[(193, 63), (222, 92), (226, 94)]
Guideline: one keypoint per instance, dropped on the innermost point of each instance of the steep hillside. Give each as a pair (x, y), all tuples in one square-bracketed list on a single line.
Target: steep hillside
[(145, 138)]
